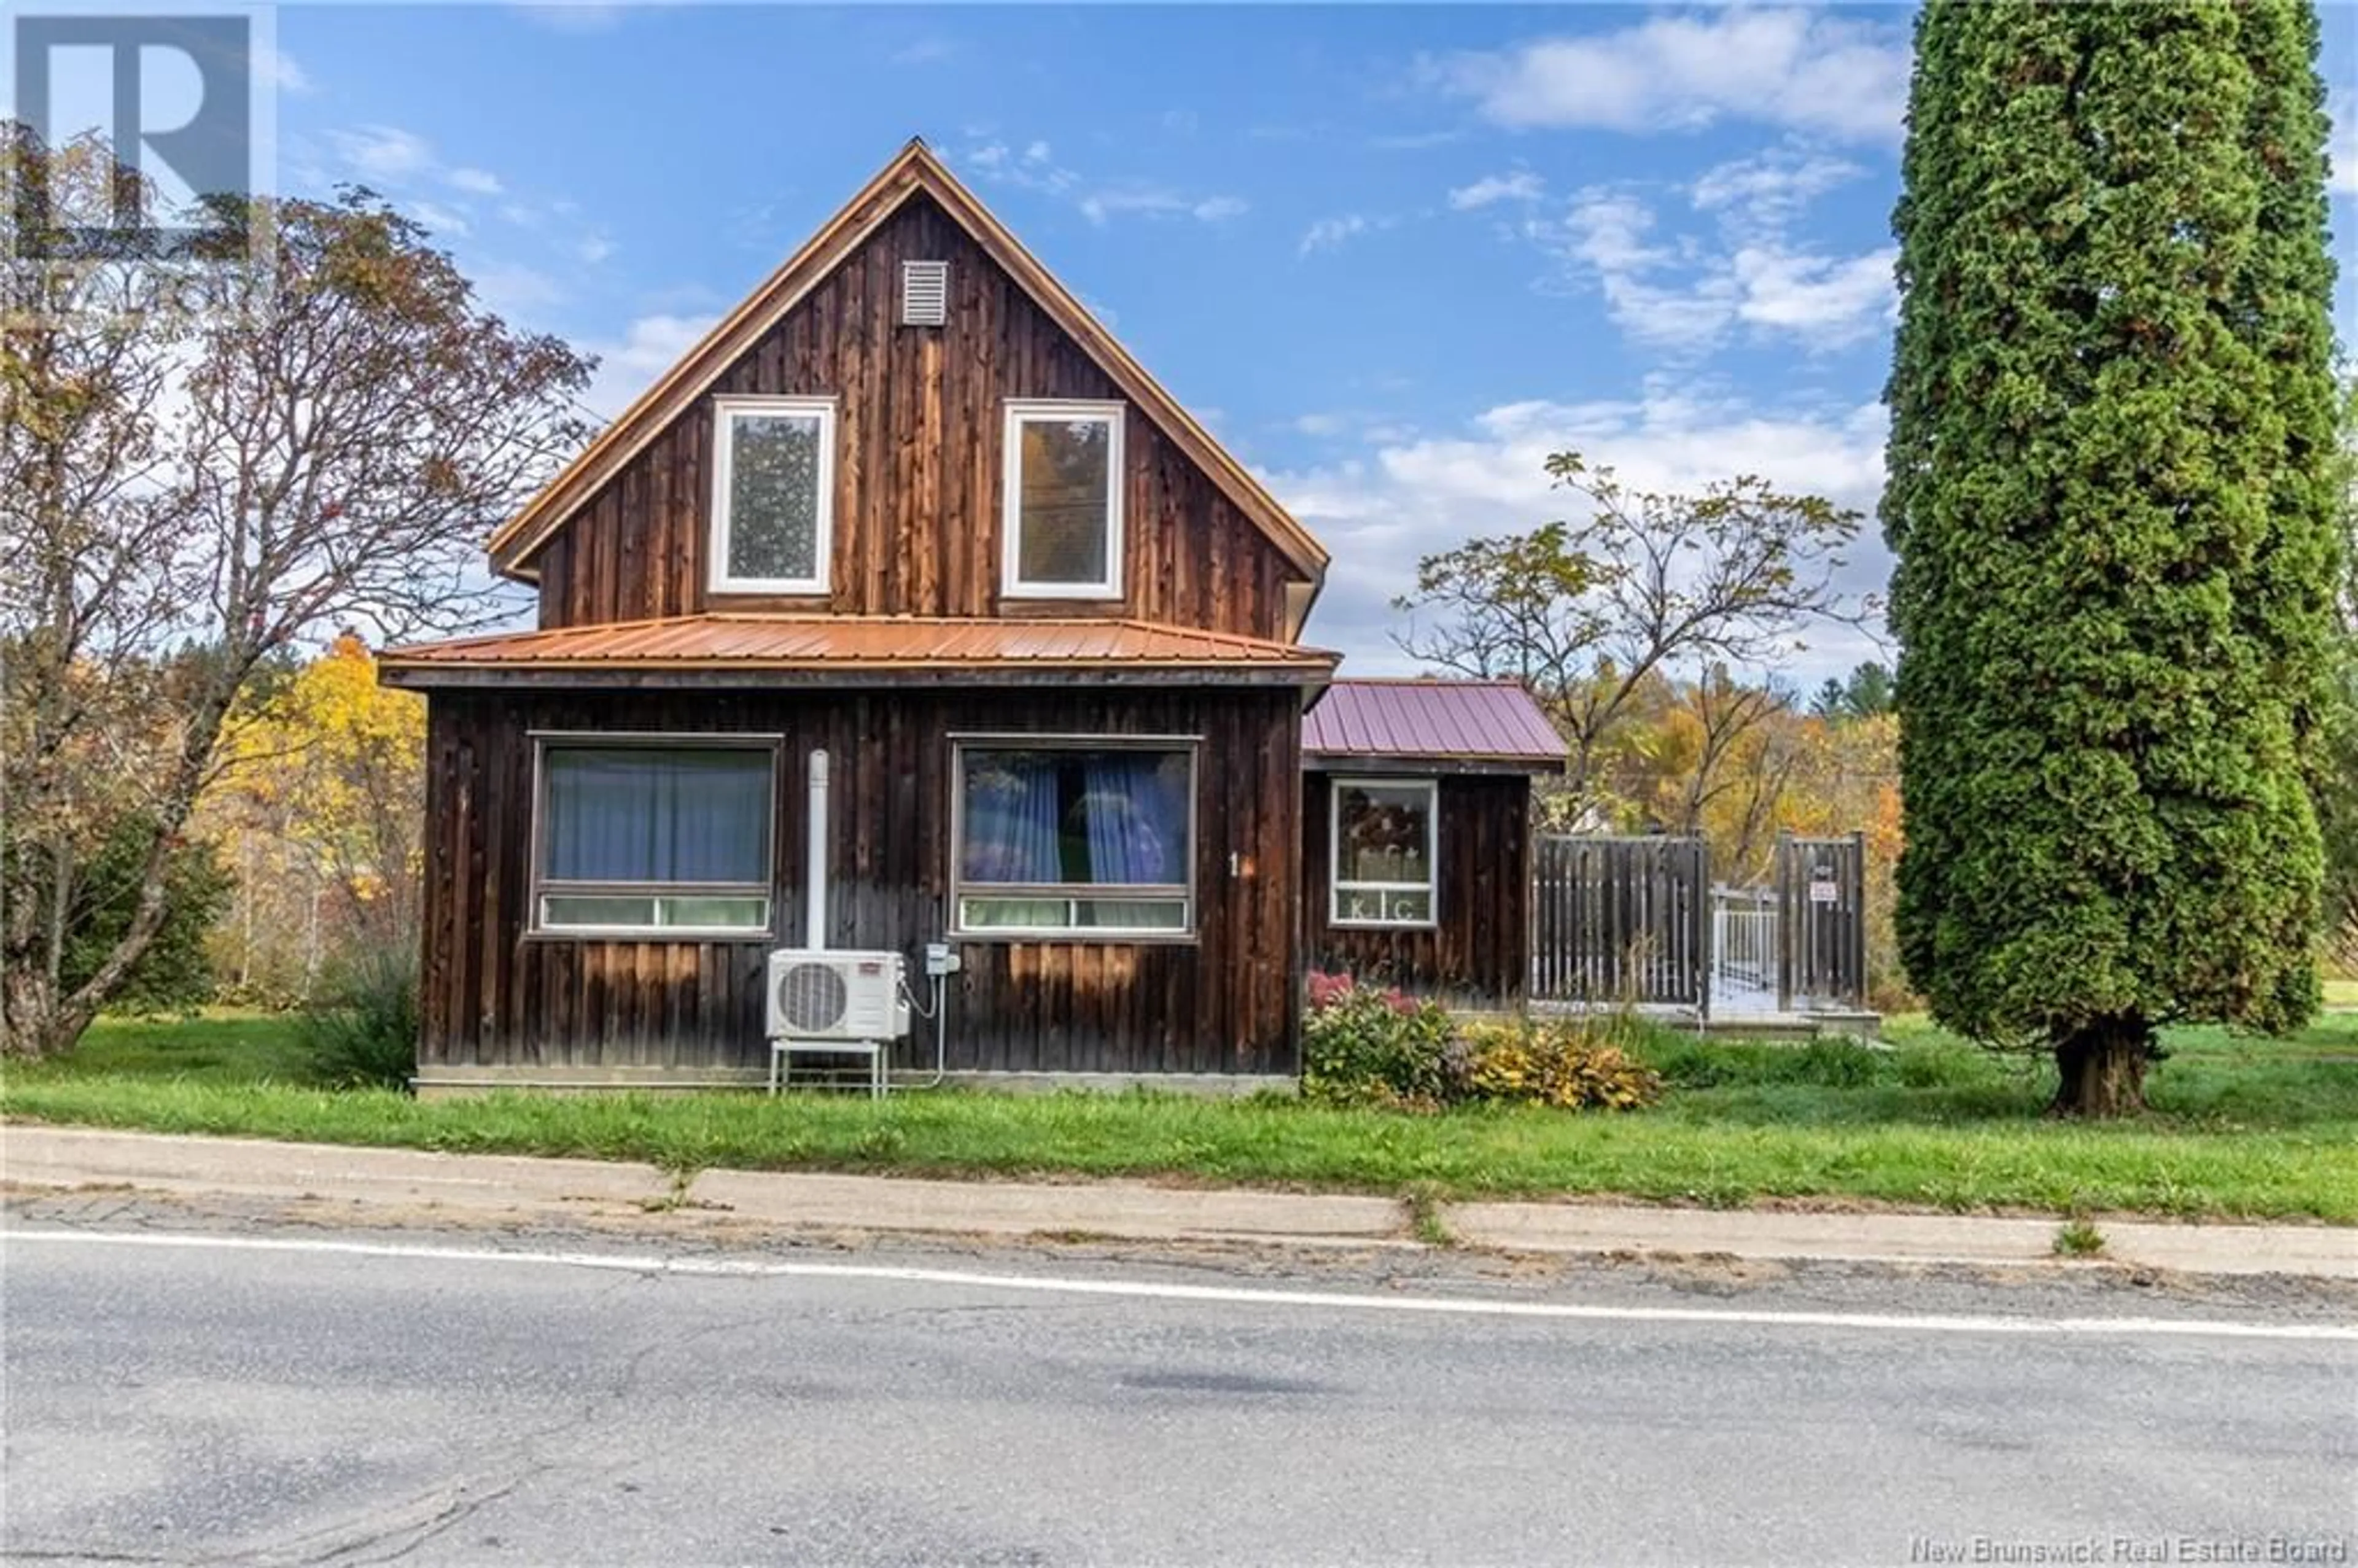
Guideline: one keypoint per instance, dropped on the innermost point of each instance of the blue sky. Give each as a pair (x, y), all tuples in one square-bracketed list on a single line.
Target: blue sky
[(1392, 255)]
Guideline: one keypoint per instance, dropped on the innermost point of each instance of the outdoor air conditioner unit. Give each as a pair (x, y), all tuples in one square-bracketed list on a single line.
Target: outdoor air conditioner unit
[(835, 994)]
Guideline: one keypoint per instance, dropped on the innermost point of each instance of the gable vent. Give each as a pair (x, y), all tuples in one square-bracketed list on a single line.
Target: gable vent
[(924, 293)]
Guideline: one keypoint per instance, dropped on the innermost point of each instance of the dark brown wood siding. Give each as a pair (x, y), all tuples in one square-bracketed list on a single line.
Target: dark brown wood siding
[(1225, 1002), (918, 469), (1478, 944)]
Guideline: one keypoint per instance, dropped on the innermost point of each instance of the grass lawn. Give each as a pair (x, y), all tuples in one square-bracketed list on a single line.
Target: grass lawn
[(2239, 1128)]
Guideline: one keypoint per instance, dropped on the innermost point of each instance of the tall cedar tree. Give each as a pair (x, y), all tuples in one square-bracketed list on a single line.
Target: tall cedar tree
[(2110, 497)]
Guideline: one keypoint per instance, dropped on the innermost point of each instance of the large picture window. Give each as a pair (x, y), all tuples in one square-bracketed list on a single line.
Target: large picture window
[(772, 494), (1088, 838), (1383, 852), (669, 837), (1063, 500)]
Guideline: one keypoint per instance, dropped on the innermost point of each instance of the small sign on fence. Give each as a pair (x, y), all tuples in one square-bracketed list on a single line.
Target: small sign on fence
[(1825, 891)]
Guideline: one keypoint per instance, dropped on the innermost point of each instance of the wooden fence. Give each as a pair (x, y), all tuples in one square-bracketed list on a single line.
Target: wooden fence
[(1617, 920), (1821, 922), (1637, 920)]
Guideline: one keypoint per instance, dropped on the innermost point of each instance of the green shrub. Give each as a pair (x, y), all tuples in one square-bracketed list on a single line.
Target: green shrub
[(1365, 1047), (1562, 1062), (362, 1032), (1688, 1061), (1926, 1068), (2078, 1239), (173, 974), (1835, 1065)]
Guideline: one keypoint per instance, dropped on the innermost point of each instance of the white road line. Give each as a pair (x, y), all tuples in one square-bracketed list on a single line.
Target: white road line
[(1239, 1295)]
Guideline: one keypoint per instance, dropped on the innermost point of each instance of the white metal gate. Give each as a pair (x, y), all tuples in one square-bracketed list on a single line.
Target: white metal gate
[(1744, 952)]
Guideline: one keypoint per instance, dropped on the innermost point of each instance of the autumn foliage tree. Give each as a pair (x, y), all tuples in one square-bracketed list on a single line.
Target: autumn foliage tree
[(197, 479), (320, 813), (1645, 585), (2109, 493)]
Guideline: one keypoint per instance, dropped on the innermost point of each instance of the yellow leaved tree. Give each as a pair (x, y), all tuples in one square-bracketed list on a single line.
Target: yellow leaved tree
[(321, 808)]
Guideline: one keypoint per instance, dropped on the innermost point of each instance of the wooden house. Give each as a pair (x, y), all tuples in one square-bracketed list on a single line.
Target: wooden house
[(911, 506)]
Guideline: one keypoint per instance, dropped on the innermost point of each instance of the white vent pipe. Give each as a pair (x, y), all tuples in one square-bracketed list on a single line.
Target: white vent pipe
[(814, 858)]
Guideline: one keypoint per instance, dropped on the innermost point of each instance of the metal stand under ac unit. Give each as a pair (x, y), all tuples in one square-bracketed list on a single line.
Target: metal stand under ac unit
[(782, 1054)]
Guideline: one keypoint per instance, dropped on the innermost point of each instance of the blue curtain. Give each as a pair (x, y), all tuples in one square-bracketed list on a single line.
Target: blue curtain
[(1137, 821), (642, 814), (1011, 818), (1068, 818)]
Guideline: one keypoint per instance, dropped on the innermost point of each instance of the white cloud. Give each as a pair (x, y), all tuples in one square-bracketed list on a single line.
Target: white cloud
[(923, 51), (1359, 425), (398, 159), (1608, 230), (1332, 233), (515, 292), (1810, 70), (1035, 168), (1690, 295), (445, 223), (1682, 291), (275, 69), (2343, 143), (1416, 141), (1522, 185), (385, 154), (575, 16), (1415, 495), (457, 200), (1770, 187), (650, 346), (1833, 301), (1158, 201)]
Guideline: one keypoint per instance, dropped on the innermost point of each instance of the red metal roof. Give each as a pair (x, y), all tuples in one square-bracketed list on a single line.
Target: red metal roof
[(1455, 721), (854, 644)]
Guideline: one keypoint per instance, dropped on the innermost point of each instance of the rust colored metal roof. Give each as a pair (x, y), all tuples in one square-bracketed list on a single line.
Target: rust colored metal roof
[(1448, 720), (858, 645)]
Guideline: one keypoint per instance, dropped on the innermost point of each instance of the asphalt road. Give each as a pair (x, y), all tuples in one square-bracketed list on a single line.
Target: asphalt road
[(211, 1398)]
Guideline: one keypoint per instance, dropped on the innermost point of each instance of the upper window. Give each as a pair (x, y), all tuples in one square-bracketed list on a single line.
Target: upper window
[(773, 493), (1080, 838), (1383, 852), (1062, 517), (669, 837)]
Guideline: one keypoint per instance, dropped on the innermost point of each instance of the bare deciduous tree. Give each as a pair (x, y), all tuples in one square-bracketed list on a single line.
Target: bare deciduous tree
[(190, 489), (1584, 612)]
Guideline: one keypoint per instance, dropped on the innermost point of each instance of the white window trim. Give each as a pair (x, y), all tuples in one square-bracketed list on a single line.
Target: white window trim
[(1431, 887), (1021, 412), (725, 412), (541, 887), (1184, 894)]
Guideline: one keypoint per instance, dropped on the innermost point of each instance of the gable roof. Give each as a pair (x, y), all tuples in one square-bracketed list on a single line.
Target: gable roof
[(915, 169), (1489, 722)]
